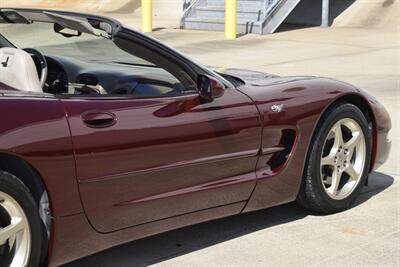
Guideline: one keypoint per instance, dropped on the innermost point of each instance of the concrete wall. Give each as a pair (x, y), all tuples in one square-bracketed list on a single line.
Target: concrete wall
[(350, 13), (169, 8), (375, 14), (344, 13), (308, 12), (83, 5)]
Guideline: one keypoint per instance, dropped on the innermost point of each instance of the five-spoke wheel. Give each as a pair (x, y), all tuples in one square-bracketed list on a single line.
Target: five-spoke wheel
[(343, 158), (338, 160)]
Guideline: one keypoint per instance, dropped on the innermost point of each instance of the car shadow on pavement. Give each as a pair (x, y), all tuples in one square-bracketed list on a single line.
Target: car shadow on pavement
[(182, 241), (377, 183)]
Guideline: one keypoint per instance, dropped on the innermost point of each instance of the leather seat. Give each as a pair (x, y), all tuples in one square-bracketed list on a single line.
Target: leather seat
[(17, 70)]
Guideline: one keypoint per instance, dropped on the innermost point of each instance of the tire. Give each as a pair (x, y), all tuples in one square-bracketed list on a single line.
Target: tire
[(318, 190), (13, 193)]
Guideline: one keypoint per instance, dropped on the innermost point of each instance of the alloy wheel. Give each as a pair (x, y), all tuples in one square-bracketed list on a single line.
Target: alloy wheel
[(343, 159), (15, 237)]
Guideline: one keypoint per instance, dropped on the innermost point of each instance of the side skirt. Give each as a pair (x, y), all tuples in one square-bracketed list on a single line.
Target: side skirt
[(73, 237)]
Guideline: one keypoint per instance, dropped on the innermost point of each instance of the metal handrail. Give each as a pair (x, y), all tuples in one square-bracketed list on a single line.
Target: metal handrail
[(188, 11), (270, 6)]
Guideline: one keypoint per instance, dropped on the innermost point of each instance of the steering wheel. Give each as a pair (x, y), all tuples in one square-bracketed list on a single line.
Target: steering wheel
[(43, 64)]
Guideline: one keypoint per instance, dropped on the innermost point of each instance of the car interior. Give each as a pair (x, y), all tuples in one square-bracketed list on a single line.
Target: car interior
[(36, 71), (17, 70), (22, 71)]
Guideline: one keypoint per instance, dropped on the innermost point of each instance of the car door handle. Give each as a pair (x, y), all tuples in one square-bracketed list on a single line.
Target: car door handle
[(99, 119)]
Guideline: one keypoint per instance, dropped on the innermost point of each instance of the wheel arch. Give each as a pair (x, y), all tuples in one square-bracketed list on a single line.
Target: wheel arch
[(31, 178), (362, 103), (24, 171)]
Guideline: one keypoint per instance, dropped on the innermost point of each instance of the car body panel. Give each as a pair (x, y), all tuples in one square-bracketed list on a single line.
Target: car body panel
[(74, 237), (273, 187), (382, 125), (36, 130), (181, 139), (304, 99)]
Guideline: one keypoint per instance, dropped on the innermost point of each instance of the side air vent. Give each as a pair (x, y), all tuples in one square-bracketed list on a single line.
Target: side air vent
[(88, 79), (287, 141)]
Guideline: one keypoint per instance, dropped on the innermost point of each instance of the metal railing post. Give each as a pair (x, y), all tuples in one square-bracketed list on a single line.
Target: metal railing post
[(325, 13), (230, 19), (147, 16)]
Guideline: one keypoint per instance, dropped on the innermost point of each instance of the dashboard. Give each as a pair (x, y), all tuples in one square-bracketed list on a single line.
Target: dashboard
[(72, 76), (57, 79)]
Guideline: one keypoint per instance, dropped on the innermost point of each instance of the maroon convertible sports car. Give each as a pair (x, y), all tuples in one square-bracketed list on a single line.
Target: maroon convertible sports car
[(108, 136)]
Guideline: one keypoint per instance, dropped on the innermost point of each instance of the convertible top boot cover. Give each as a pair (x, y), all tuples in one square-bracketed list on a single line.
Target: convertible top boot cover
[(17, 70)]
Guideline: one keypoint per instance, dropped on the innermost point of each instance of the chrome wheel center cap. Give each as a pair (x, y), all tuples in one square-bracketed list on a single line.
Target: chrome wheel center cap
[(342, 158)]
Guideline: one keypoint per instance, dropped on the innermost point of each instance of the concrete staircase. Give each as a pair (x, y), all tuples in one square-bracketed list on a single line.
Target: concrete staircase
[(253, 16)]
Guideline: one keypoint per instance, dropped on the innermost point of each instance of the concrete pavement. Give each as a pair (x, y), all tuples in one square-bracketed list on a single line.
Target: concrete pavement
[(366, 235)]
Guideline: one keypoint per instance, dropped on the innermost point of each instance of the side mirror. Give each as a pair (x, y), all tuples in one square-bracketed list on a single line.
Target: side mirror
[(209, 87)]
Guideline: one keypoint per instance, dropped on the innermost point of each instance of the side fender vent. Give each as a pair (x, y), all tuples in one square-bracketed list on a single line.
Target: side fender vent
[(287, 141)]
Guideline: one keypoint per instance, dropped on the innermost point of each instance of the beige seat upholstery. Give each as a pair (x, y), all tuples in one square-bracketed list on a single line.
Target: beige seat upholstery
[(17, 70)]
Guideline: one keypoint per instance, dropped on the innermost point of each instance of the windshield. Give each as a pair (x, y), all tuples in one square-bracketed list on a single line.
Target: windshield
[(86, 47)]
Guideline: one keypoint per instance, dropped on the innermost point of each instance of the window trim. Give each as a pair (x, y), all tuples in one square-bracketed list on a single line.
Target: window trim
[(121, 97)]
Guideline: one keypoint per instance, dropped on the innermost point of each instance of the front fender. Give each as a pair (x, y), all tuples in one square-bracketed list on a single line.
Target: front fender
[(304, 100)]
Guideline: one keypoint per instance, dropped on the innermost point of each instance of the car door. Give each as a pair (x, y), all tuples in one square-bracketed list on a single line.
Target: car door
[(141, 160)]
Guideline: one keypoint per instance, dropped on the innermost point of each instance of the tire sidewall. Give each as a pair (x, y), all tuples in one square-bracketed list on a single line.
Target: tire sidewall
[(338, 113)]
